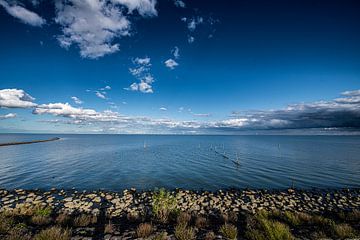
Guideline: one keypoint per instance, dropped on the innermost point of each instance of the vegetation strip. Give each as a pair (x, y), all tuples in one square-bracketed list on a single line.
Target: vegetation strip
[(29, 142), (180, 214)]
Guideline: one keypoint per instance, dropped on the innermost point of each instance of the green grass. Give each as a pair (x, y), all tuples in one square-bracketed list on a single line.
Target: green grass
[(163, 204), (182, 232), (229, 231)]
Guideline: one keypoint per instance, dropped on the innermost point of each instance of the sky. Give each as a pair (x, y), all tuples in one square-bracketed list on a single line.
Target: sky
[(180, 66)]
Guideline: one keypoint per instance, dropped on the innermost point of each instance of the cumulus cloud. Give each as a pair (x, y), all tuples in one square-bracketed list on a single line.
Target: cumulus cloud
[(163, 109), (100, 95), (171, 63), (7, 116), (15, 98), (141, 71), (23, 14), (77, 100), (94, 25), (179, 3)]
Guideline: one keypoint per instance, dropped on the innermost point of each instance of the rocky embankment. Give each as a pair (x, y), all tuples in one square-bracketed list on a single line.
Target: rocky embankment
[(180, 214), (117, 204)]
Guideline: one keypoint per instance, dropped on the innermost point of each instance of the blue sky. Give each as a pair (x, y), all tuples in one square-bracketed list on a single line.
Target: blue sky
[(170, 66)]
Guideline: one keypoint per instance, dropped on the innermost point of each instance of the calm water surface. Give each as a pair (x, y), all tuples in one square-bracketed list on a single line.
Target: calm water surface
[(115, 162)]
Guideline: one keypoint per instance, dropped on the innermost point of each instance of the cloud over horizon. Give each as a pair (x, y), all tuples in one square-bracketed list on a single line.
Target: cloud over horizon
[(339, 113)]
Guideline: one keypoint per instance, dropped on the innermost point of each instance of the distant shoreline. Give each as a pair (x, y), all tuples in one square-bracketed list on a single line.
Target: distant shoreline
[(29, 142)]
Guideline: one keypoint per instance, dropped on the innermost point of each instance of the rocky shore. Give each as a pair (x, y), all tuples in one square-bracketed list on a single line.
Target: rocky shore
[(134, 206)]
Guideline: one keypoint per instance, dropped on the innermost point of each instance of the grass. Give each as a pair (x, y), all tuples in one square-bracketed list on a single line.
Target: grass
[(210, 236), (63, 219), (109, 228), (201, 222), (184, 218), (6, 223), (160, 236), (144, 230), (343, 231), (261, 228), (40, 220), (229, 231), (18, 232), (163, 204), (53, 233), (84, 220), (182, 232)]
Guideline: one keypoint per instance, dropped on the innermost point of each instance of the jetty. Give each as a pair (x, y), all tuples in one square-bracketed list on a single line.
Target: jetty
[(29, 142)]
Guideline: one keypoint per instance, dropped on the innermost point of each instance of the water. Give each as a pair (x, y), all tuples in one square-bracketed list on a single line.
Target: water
[(116, 162)]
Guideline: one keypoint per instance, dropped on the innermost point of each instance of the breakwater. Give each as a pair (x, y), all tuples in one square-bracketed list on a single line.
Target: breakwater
[(29, 142)]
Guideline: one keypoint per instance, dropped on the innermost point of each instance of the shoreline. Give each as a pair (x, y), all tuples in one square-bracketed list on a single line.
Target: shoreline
[(126, 211), (29, 142)]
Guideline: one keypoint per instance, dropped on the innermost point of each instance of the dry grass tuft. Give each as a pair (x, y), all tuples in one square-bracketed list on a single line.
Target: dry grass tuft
[(84, 220), (184, 218), (210, 236), (109, 228), (160, 236), (201, 222), (40, 220), (144, 230), (63, 219), (53, 233), (182, 232)]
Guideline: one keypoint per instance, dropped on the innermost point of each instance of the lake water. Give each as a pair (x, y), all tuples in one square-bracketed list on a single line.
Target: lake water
[(116, 162)]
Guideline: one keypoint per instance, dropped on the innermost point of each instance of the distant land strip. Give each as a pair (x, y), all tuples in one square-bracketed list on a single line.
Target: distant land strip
[(29, 142)]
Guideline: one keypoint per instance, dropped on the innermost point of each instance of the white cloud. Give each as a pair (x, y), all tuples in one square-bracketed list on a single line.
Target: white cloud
[(176, 52), (193, 22), (23, 14), (105, 88), (179, 3), (94, 25), (191, 39), (142, 61), (77, 100), (15, 98), (170, 63), (144, 7), (201, 114), (163, 109), (141, 72), (100, 95), (7, 116)]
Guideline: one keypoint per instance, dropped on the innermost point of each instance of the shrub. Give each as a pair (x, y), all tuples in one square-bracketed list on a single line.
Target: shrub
[(84, 220), (184, 218), (163, 204), (182, 232), (210, 236), (53, 233), (229, 231), (144, 230)]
